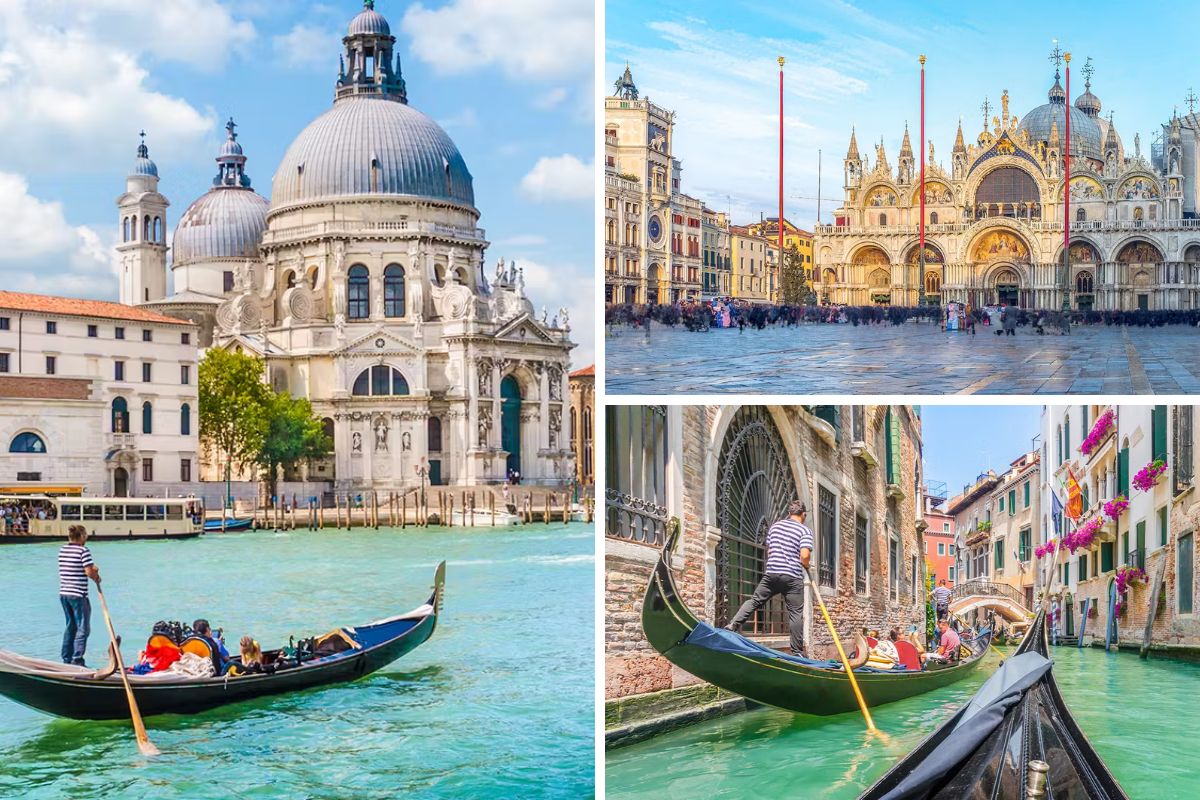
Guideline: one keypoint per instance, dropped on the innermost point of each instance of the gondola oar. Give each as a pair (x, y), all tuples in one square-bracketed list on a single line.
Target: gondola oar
[(862, 704), (146, 747)]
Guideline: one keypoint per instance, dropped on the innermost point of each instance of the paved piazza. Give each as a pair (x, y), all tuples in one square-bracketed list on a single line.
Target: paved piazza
[(907, 359)]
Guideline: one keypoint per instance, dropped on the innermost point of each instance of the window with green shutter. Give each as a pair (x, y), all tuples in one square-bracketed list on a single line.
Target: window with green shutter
[(1162, 526), (1184, 569), (1083, 568), (1027, 494), (1123, 471), (893, 448), (1001, 502), (1066, 573), (1084, 492), (999, 554), (1023, 554), (1158, 431), (1083, 425), (1012, 502), (1106, 556)]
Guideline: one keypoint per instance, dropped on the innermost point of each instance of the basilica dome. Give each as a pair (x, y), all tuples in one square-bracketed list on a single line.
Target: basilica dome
[(227, 221), (1086, 136)]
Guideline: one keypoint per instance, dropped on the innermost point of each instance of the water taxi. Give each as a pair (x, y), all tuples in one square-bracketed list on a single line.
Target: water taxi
[(45, 518)]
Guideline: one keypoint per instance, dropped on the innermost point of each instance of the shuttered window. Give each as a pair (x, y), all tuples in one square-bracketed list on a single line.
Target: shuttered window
[(1158, 429), (1123, 472), (893, 448)]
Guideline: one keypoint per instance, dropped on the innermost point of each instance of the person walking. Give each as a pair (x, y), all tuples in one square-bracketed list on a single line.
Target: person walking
[(75, 567), (941, 599), (789, 547)]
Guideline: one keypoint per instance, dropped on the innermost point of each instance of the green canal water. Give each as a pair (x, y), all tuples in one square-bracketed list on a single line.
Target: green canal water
[(498, 704), (1139, 715)]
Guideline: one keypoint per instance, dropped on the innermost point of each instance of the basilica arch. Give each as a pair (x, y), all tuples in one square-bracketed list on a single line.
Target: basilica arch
[(1008, 189), (654, 288)]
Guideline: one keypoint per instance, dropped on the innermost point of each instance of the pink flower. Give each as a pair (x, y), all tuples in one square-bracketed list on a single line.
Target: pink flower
[(1148, 475), (1116, 507), (1100, 431)]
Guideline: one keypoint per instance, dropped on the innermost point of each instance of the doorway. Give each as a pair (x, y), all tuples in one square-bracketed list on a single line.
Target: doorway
[(1143, 301), (1070, 608), (435, 472), (1008, 294), (120, 482), (510, 422)]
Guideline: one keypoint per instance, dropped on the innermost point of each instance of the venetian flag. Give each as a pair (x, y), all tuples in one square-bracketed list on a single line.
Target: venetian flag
[(1074, 497)]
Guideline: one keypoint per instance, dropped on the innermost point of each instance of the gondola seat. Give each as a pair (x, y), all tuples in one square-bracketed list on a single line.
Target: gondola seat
[(198, 645), (909, 657)]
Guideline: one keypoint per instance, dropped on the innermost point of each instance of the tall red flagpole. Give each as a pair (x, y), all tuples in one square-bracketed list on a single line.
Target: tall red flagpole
[(780, 225), (921, 259), (1067, 193)]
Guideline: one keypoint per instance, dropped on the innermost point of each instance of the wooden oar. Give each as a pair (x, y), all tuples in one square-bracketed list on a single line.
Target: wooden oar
[(146, 747), (862, 704)]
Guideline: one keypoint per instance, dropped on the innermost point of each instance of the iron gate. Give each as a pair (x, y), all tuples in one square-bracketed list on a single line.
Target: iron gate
[(754, 487)]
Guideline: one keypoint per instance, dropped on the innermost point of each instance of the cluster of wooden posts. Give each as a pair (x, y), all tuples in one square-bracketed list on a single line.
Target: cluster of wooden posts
[(400, 510)]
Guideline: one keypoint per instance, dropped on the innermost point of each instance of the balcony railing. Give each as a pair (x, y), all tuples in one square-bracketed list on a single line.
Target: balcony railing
[(380, 227), (1136, 558), (978, 587), (127, 441), (634, 519)]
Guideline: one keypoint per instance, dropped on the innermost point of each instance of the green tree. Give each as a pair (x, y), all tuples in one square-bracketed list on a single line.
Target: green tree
[(293, 434), (791, 278), (233, 402)]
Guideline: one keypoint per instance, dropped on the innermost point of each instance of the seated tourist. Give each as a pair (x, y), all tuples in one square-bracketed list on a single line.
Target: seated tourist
[(202, 629), (947, 649), (884, 654)]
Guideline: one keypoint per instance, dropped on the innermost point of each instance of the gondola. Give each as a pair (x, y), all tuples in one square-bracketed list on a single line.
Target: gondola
[(82, 693), (1014, 740), (228, 524), (736, 664)]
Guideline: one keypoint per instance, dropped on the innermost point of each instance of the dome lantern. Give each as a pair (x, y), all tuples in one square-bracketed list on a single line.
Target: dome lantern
[(366, 67), (231, 161), (143, 165)]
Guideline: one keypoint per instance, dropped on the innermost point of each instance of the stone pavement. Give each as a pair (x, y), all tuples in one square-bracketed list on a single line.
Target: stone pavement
[(915, 358)]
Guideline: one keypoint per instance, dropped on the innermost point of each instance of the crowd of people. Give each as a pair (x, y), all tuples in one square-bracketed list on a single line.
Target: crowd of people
[(695, 315), (15, 515)]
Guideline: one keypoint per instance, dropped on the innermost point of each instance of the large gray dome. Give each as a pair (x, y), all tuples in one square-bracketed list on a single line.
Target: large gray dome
[(366, 145), (226, 222), (1085, 135)]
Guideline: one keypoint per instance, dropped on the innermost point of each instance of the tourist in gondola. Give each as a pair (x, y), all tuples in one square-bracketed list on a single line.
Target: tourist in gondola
[(789, 546), (202, 629), (948, 643), (75, 567)]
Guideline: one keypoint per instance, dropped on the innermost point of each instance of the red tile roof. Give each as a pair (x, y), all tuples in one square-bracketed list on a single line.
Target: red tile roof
[(26, 387), (76, 307), (586, 372)]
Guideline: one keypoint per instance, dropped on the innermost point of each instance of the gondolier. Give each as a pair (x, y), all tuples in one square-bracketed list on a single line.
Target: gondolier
[(75, 567), (941, 598), (789, 546)]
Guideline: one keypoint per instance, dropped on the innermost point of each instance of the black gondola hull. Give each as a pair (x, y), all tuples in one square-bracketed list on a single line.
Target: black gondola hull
[(84, 698)]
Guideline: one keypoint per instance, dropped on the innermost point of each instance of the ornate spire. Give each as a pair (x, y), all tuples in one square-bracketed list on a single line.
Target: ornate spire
[(852, 153), (231, 161), (959, 145), (1110, 138), (906, 145), (624, 87), (143, 165), (1054, 141)]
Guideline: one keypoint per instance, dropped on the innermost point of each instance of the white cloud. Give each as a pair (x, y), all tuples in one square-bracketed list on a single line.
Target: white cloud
[(523, 240), (550, 99), (541, 39), (565, 286), (74, 90), (465, 118), (41, 252), (306, 47), (560, 178)]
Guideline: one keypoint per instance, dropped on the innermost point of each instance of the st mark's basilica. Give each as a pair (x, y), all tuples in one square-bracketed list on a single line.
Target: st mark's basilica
[(994, 216), (362, 284)]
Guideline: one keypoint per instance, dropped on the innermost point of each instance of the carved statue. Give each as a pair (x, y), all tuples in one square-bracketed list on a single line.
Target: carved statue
[(500, 270), (356, 442), (555, 426), (381, 435), (555, 383), (485, 425), (1137, 145), (564, 315), (406, 441), (545, 316), (1004, 105), (485, 377)]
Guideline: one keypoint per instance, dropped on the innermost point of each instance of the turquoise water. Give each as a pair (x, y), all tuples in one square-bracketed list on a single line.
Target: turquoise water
[(1138, 714), (499, 703)]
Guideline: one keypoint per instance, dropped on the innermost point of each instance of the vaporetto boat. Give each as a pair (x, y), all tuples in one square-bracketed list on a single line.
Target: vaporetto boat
[(45, 518)]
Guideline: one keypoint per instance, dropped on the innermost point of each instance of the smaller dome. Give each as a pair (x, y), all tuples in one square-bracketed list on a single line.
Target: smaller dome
[(1088, 103), (143, 165), (230, 147), (369, 21), (226, 222)]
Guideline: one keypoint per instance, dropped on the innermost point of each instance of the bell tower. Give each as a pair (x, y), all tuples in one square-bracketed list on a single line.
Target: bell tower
[(853, 163), (142, 233)]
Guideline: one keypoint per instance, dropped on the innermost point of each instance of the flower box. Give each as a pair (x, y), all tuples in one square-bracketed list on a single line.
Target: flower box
[(1148, 475), (1116, 507), (1105, 426)]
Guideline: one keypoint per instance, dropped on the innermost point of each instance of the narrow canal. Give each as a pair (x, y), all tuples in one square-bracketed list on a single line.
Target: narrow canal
[(1138, 714), (499, 703)]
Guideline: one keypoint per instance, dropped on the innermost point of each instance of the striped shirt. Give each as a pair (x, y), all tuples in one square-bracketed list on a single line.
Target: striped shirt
[(784, 540), (72, 580), (942, 595)]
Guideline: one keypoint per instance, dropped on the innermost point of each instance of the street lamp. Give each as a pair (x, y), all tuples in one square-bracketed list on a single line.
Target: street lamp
[(422, 471)]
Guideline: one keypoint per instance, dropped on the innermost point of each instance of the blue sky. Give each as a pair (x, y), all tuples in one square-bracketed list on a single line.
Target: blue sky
[(856, 64), (512, 83), (961, 441)]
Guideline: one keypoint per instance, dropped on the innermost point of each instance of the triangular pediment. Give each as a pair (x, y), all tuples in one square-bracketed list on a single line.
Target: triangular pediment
[(378, 342), (250, 344), (523, 328)]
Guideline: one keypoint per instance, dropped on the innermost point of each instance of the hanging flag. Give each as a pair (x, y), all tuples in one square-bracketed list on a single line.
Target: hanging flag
[(1074, 497), (1056, 511)]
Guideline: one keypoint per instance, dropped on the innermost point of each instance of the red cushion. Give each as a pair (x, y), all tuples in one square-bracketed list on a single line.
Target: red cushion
[(909, 658), (872, 641)]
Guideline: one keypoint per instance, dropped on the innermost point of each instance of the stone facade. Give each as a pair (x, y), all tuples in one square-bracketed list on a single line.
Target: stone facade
[(994, 218), (582, 430), (860, 463)]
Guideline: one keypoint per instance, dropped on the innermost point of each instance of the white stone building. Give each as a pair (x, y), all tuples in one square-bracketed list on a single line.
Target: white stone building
[(96, 397), (363, 285)]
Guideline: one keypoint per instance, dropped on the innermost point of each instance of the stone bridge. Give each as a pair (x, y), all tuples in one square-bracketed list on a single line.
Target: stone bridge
[(1000, 597)]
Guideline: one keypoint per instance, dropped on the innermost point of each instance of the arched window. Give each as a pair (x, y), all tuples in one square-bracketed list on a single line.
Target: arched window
[(185, 420), (125, 230), (933, 218), (146, 228), (358, 294), (380, 381), (27, 443), (1081, 215), (158, 229), (572, 428), (882, 219), (120, 415), (434, 434), (147, 417), (1083, 283), (1009, 188), (1138, 214), (289, 278), (393, 291)]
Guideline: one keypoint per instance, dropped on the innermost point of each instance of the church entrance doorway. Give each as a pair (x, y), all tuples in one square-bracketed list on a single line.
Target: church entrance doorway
[(120, 482), (1143, 301), (435, 472), (1008, 294), (1084, 302), (510, 422)]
